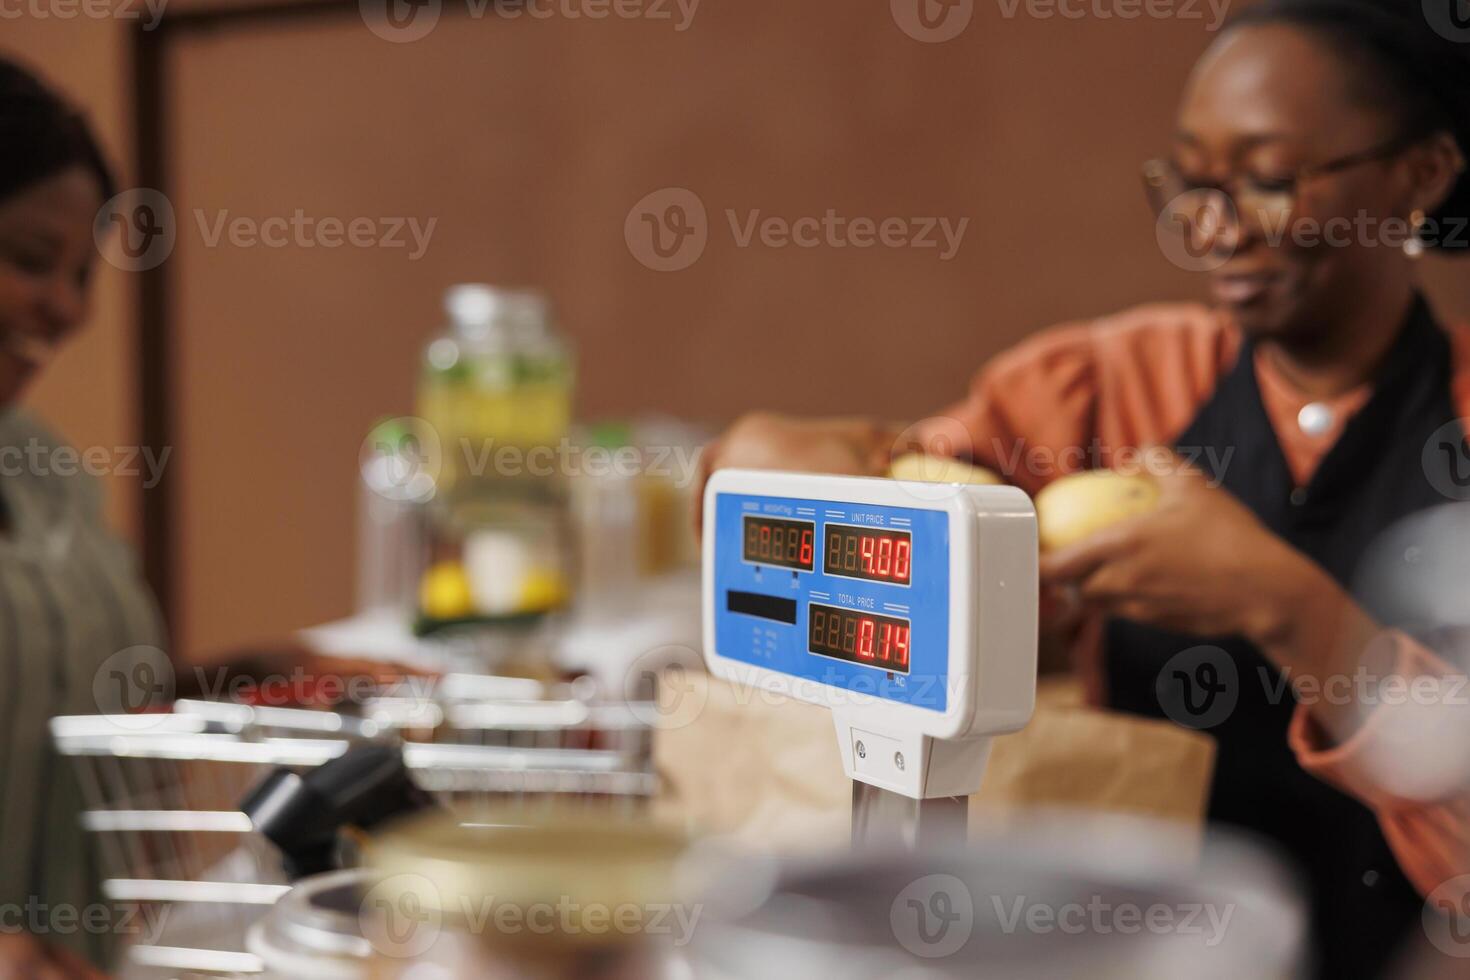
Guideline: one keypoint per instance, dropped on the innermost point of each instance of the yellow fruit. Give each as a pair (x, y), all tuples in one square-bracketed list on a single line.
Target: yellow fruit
[(939, 469), (542, 589), (1082, 504), (444, 592)]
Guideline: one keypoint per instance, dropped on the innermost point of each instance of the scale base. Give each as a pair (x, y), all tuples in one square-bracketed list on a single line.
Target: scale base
[(884, 818), (917, 766), (909, 789)]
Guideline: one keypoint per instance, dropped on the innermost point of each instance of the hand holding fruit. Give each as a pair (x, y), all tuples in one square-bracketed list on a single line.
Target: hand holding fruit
[(1171, 551)]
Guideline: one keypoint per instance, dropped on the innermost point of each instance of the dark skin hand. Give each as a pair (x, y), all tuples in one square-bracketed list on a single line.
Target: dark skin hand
[(1231, 576)]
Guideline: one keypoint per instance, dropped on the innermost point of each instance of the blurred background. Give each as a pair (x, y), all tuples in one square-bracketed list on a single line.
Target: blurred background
[(522, 148)]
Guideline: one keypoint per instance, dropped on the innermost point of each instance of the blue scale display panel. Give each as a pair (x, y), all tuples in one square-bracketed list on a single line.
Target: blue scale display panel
[(854, 596)]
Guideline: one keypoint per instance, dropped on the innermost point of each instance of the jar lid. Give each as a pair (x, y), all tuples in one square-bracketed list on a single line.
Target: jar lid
[(479, 310), (569, 876)]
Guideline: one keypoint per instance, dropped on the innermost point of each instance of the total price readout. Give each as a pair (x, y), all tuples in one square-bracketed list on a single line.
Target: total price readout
[(859, 637)]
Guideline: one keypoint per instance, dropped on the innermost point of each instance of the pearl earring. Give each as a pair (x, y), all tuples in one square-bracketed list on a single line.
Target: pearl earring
[(1414, 247)]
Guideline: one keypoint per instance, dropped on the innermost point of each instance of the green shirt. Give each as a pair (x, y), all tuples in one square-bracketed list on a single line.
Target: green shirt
[(70, 599)]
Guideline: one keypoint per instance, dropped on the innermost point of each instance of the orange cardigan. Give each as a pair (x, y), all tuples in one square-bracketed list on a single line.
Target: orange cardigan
[(1072, 397)]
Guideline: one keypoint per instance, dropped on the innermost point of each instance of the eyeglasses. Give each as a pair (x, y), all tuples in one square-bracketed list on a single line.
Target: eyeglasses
[(1202, 210)]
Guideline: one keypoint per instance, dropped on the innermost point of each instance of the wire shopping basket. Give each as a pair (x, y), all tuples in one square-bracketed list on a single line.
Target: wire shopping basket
[(163, 790)]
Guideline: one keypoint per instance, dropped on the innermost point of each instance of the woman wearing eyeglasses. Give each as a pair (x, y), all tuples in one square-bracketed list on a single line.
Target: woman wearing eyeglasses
[(1320, 149)]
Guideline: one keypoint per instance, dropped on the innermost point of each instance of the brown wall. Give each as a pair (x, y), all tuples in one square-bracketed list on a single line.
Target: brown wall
[(529, 141)]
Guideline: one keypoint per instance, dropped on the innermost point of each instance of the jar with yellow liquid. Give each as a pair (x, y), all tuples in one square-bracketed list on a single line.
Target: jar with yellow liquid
[(496, 389)]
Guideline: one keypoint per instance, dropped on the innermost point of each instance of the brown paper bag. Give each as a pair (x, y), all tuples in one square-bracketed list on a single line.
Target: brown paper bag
[(766, 770)]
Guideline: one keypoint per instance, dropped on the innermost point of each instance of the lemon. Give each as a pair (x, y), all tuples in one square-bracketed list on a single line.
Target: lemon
[(921, 468), (1082, 504), (444, 592), (542, 589)]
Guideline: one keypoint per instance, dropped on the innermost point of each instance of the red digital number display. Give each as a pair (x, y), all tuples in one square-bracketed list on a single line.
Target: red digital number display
[(859, 637), (774, 541), (869, 553)]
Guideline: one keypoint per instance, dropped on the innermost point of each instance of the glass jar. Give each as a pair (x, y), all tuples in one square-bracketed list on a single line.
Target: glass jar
[(496, 388), (1103, 899), (579, 895), (314, 930)]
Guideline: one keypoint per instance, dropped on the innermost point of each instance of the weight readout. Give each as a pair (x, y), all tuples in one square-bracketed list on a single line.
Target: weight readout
[(859, 637), (775, 541)]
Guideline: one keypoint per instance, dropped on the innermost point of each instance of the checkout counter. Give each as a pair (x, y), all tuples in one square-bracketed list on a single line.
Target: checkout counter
[(769, 771), (813, 746)]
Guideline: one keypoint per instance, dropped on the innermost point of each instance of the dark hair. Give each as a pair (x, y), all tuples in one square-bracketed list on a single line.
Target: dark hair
[(1402, 65), (41, 135)]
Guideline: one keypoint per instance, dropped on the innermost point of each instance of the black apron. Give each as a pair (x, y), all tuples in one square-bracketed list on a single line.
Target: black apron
[(1362, 905)]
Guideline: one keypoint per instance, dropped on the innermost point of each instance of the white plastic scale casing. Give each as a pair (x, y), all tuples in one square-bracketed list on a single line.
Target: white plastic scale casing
[(993, 592)]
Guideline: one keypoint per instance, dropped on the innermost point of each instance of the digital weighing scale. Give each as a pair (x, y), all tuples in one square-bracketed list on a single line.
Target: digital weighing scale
[(908, 609)]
